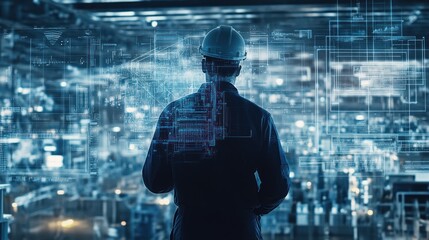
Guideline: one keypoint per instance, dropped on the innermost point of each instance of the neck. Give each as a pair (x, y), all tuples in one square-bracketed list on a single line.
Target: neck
[(216, 78)]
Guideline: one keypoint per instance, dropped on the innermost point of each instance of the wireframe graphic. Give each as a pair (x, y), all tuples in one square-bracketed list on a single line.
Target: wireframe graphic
[(53, 143), (373, 78)]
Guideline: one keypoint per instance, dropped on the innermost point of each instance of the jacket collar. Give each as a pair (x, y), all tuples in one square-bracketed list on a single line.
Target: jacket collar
[(221, 86)]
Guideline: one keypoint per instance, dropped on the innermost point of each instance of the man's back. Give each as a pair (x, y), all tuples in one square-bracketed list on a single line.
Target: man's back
[(209, 146)]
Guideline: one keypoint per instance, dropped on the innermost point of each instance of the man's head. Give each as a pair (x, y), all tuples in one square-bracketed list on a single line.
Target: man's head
[(223, 48)]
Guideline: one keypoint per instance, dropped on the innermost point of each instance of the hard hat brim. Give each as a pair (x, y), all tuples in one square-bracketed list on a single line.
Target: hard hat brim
[(224, 56)]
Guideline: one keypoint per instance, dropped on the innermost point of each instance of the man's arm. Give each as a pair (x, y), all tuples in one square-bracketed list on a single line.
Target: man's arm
[(272, 168), (157, 174)]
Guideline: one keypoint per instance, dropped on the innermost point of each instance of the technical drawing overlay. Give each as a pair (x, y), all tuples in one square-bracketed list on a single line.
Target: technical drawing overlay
[(278, 73), (351, 99), (277, 61), (373, 80), (167, 69), (45, 132)]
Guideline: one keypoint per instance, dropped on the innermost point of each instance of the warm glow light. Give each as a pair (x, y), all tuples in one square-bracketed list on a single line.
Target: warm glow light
[(123, 223), (117, 191), (163, 201), (370, 212), (61, 192), (15, 206), (67, 223)]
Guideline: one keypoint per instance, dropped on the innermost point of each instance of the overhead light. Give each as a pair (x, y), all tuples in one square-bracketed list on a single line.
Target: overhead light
[(54, 161), (299, 124), (336, 66), (116, 129), (156, 18), (124, 14), (365, 83), (279, 81), (113, 14), (360, 117), (6, 112), (38, 108), (50, 148), (149, 13), (118, 19), (179, 11), (304, 55), (15, 207), (154, 24), (240, 10), (273, 98), (24, 90), (130, 109)]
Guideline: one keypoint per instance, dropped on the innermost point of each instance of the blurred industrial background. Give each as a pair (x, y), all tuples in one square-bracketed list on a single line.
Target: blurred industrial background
[(82, 83)]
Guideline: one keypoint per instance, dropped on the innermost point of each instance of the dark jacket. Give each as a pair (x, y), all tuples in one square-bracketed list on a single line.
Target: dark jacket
[(212, 147)]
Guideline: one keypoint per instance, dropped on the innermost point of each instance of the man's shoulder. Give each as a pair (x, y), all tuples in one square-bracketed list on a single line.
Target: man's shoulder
[(238, 101), (181, 102), (242, 101)]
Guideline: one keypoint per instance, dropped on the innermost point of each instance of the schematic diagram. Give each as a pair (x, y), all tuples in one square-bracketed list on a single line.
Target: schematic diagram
[(53, 143), (373, 80)]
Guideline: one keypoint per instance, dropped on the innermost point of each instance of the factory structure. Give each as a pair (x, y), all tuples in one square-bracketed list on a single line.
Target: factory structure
[(83, 82)]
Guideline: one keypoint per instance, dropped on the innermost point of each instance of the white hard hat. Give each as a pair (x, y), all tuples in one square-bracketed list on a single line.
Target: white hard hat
[(224, 42)]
